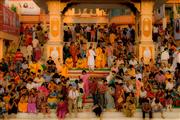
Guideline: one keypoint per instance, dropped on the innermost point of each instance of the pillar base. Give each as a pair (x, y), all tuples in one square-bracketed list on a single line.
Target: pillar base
[(55, 50), (146, 49)]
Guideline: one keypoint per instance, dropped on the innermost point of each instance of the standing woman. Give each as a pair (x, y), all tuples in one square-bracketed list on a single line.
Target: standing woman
[(85, 79), (91, 54), (109, 98), (119, 96), (93, 34)]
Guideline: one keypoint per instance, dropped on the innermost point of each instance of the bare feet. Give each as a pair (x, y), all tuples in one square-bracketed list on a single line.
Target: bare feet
[(162, 116)]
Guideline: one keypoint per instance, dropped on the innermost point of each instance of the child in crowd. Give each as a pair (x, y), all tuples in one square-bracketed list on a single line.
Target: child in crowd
[(32, 103), (2, 109), (97, 109), (45, 109), (80, 99), (129, 108), (168, 101)]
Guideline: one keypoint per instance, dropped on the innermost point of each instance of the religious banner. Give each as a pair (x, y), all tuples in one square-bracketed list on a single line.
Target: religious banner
[(25, 7), (177, 29)]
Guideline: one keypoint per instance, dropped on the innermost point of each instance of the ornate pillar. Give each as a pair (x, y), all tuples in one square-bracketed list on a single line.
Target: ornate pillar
[(137, 22), (146, 45), (55, 43), (1, 48), (43, 17)]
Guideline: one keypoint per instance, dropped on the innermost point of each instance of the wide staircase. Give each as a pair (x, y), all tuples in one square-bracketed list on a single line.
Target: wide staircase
[(174, 115), (98, 73), (87, 113)]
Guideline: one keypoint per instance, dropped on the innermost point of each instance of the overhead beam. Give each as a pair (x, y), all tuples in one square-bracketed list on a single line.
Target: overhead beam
[(159, 3), (42, 5)]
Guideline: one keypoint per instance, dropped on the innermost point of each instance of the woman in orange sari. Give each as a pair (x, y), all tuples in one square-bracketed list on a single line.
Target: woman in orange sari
[(103, 56), (98, 56)]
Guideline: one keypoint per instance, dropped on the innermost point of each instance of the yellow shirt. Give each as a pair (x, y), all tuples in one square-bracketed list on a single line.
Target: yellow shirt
[(69, 62), (34, 67), (132, 72), (79, 63), (168, 76), (112, 38)]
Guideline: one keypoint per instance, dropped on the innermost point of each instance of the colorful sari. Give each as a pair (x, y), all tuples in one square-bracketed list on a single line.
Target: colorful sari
[(119, 97)]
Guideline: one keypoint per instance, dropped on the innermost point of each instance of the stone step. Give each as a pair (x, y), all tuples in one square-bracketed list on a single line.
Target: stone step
[(175, 115), (76, 73)]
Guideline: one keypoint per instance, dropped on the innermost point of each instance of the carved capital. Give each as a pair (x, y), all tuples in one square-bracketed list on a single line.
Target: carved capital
[(55, 7)]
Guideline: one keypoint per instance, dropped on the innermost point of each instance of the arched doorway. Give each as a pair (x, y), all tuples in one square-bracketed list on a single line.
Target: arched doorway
[(88, 16)]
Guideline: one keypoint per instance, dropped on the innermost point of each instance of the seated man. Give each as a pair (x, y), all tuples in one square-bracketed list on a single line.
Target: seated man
[(79, 63), (69, 62), (157, 107), (129, 108), (51, 66)]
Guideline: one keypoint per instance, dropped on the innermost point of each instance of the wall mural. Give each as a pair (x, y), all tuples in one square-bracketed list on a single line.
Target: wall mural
[(147, 53), (86, 12)]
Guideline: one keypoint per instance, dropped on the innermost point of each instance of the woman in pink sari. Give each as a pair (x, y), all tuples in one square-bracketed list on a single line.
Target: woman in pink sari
[(139, 84), (85, 79)]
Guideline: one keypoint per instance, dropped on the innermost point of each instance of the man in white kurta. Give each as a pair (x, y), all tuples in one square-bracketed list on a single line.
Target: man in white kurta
[(29, 51), (91, 55), (165, 56)]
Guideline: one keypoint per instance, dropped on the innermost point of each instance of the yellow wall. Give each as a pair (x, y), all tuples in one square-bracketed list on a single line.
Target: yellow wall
[(75, 19), (7, 36), (173, 1)]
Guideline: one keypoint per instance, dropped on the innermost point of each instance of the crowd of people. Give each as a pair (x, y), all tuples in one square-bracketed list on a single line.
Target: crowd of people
[(105, 43), (32, 40), (34, 86)]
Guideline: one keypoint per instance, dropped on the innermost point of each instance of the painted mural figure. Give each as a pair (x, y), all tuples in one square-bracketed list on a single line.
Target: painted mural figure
[(147, 55), (54, 54)]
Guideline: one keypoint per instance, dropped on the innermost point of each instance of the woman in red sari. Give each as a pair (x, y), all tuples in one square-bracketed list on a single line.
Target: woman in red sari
[(73, 52), (119, 97), (61, 109), (37, 53)]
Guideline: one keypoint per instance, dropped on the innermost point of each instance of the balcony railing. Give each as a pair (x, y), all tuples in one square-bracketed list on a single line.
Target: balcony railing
[(9, 21)]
